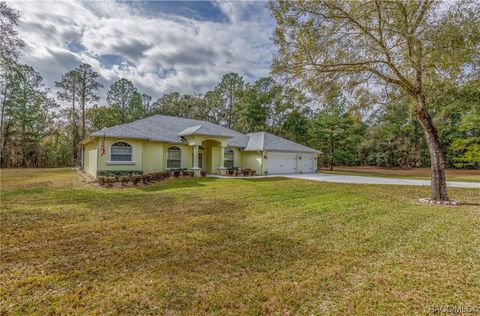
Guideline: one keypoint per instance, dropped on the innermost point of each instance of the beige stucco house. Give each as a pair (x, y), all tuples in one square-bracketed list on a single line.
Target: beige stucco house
[(160, 142)]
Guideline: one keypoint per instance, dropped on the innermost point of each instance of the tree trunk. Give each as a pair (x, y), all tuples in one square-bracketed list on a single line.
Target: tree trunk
[(83, 102), (230, 105), (439, 185), (331, 153), (74, 128), (2, 118)]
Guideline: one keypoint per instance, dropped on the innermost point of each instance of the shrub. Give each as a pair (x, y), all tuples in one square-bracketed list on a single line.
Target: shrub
[(246, 171), (109, 181), (176, 173), (230, 172), (191, 174), (145, 178), (124, 180), (237, 172), (166, 175), (101, 180), (118, 173), (252, 172), (136, 179), (154, 176), (203, 173)]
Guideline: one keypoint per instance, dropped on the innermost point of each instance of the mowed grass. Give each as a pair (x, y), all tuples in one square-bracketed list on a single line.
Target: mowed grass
[(232, 246), (414, 173)]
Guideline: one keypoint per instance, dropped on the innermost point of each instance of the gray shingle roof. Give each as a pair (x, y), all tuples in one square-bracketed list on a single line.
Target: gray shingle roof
[(269, 142), (170, 129)]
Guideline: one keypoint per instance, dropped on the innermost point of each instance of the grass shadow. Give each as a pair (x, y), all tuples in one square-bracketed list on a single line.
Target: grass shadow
[(268, 179), (178, 184)]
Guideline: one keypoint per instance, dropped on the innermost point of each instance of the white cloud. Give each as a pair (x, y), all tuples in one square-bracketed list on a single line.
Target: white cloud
[(160, 53)]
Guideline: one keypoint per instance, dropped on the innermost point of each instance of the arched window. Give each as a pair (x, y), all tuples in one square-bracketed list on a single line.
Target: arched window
[(228, 162), (174, 158), (120, 151)]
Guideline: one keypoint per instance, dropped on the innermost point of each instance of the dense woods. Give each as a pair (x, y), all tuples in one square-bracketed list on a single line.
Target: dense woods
[(350, 126)]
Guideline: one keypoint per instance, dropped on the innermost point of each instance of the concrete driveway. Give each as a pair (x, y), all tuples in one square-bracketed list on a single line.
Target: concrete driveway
[(326, 177)]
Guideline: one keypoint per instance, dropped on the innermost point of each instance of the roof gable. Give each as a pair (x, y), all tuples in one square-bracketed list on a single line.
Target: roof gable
[(269, 142)]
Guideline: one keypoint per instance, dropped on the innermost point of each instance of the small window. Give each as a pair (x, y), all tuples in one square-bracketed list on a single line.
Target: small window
[(174, 158), (121, 151), (228, 162)]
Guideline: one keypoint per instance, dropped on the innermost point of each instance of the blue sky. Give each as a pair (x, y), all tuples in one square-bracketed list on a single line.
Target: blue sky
[(162, 47)]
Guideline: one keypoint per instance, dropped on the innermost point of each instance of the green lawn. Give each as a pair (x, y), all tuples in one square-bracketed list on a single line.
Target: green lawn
[(232, 246), (414, 173)]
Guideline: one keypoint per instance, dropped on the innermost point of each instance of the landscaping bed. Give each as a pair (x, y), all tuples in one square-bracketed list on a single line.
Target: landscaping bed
[(124, 179)]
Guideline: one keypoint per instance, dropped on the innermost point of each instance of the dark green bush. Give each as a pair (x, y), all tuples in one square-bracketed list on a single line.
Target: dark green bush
[(176, 173), (252, 172), (203, 173), (136, 179), (246, 171), (118, 173)]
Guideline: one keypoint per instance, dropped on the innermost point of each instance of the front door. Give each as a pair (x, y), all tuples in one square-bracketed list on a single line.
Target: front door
[(200, 160)]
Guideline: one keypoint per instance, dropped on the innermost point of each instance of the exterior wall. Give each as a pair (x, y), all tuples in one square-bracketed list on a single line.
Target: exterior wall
[(147, 156), (215, 159), (90, 153), (253, 160), (237, 157), (153, 156)]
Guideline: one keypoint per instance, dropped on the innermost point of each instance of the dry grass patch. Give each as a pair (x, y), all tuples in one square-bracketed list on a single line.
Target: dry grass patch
[(233, 246)]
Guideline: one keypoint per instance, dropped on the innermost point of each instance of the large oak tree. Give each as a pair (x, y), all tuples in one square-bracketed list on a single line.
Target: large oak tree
[(380, 44)]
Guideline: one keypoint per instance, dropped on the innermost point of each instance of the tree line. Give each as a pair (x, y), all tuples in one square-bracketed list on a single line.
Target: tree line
[(39, 129)]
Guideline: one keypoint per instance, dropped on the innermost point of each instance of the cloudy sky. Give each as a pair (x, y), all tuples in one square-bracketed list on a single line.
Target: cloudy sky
[(160, 46)]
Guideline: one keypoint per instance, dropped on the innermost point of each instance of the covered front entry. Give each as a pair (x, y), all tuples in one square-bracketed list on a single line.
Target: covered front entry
[(208, 153), (212, 155)]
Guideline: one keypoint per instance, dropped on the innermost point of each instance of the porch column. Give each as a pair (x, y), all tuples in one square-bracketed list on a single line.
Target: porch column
[(195, 167), (221, 165)]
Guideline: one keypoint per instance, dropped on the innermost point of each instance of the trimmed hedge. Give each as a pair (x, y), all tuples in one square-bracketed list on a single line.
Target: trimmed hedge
[(118, 173)]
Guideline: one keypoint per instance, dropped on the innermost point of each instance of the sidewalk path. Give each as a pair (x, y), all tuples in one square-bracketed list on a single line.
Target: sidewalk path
[(327, 177)]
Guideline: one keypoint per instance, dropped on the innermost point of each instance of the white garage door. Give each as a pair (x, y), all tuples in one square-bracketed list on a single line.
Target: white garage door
[(307, 163), (278, 163)]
